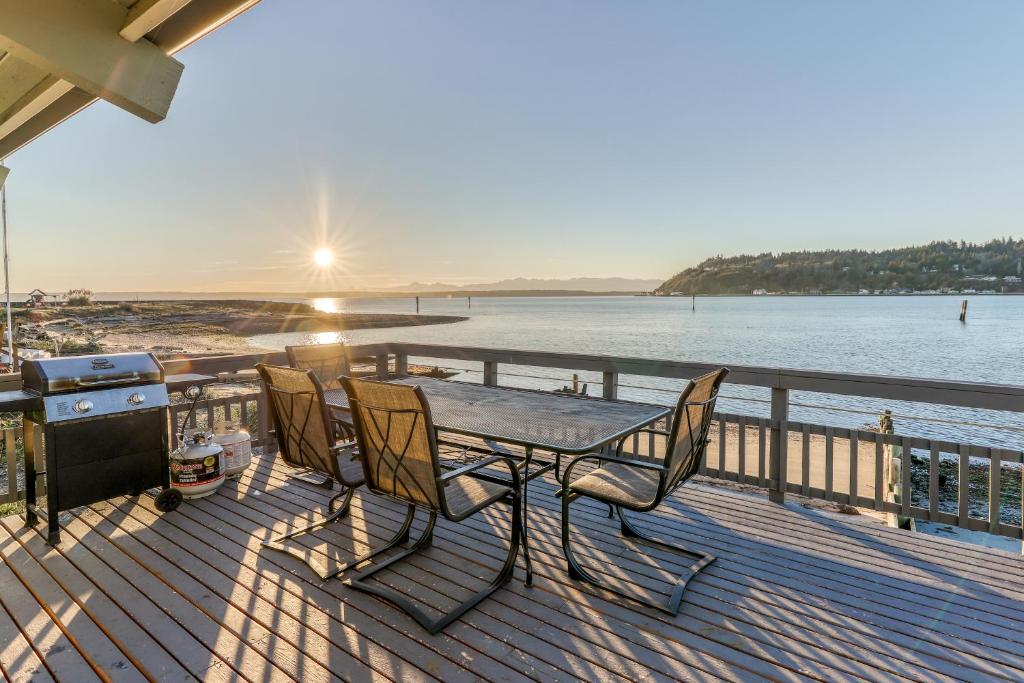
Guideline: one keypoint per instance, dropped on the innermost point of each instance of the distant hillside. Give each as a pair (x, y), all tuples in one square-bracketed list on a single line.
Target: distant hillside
[(939, 266), (521, 284)]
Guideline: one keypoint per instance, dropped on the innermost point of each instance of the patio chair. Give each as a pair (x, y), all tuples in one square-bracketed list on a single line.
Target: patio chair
[(641, 485), (399, 447), (306, 440), (328, 362)]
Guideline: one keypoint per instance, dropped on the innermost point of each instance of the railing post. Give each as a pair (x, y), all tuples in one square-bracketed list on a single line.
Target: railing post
[(490, 373), (610, 385), (382, 365), (778, 468), (401, 363)]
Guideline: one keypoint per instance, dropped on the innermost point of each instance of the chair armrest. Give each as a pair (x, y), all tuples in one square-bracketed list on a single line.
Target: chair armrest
[(641, 464), (480, 464), (344, 445), (652, 430), (463, 446)]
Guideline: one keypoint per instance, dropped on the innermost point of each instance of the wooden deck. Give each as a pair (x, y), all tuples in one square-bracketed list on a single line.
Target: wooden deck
[(794, 595)]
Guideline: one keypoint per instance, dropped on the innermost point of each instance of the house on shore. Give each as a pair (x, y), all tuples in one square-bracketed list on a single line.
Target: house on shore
[(37, 298)]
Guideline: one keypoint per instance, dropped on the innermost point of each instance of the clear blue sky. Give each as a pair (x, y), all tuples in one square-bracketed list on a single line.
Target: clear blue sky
[(472, 141)]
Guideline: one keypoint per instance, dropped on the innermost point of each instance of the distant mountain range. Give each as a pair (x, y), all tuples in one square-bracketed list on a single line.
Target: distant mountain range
[(995, 266), (521, 284)]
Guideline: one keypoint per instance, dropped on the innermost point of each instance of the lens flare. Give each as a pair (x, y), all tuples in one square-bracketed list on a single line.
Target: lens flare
[(323, 257)]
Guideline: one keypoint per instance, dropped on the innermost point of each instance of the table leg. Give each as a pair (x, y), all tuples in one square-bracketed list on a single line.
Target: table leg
[(525, 541)]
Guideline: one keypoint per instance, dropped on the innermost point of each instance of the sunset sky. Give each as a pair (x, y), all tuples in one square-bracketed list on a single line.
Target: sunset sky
[(473, 141)]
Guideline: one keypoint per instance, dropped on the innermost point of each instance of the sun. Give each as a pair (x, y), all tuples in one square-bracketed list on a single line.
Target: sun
[(323, 257)]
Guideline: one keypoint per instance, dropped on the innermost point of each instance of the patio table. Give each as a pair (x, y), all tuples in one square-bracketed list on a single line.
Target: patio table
[(534, 420)]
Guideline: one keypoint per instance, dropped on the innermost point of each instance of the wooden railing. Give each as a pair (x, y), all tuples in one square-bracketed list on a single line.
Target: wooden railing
[(834, 463), (841, 464)]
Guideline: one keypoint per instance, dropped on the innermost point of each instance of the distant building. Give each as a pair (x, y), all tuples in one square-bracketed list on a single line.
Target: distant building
[(37, 298), (1012, 279), (760, 292)]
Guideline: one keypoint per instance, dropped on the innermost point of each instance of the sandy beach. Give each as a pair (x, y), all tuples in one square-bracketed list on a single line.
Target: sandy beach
[(176, 328)]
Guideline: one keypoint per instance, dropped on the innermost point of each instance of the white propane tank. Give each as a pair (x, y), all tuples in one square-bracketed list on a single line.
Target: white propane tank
[(237, 447), (197, 468)]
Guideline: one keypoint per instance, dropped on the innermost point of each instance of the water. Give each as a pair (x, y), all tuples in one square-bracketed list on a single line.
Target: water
[(914, 336)]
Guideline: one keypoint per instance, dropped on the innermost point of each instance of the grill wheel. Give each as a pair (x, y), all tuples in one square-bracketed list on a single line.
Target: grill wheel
[(168, 500)]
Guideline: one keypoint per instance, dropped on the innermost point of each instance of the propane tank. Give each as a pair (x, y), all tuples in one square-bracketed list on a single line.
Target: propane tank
[(237, 446), (197, 468)]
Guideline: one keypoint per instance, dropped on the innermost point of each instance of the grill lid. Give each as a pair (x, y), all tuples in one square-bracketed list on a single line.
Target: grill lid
[(84, 373)]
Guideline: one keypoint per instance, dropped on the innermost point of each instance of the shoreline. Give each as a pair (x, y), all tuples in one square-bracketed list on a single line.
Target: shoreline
[(188, 327)]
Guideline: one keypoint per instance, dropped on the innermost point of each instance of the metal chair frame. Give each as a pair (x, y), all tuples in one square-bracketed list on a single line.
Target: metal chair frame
[(668, 482), (289, 434), (421, 419)]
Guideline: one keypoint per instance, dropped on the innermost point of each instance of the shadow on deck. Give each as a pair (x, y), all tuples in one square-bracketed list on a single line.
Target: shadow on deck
[(794, 595)]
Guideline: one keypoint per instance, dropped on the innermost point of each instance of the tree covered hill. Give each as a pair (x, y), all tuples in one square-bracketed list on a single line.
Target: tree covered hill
[(952, 266)]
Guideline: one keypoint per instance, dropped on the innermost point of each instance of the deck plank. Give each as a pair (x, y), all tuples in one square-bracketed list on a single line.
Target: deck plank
[(928, 659), (759, 621), (938, 665), (61, 658), (280, 659), (191, 652), (99, 650), (436, 571), (142, 651), (172, 600), (19, 662), (557, 573), (793, 596)]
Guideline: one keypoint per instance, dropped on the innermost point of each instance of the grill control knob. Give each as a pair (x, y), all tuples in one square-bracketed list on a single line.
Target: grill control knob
[(136, 399), (82, 406)]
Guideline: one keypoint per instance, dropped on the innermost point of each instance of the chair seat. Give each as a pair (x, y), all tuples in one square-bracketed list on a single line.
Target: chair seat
[(351, 470), (467, 494), (613, 482)]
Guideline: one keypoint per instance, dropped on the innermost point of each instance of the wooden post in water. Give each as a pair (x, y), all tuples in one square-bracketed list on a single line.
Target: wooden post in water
[(575, 383), (693, 302), (469, 302), (963, 311), (417, 305)]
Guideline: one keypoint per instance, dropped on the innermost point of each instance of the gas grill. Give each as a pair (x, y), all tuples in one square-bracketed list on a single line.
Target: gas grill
[(105, 431)]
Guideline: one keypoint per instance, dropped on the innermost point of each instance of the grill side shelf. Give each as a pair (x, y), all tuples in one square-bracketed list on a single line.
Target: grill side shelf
[(19, 401)]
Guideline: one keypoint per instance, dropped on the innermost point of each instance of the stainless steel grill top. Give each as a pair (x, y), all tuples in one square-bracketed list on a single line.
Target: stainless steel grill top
[(82, 387), (86, 373)]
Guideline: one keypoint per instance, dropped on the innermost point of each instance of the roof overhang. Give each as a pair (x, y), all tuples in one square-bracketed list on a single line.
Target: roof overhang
[(59, 56)]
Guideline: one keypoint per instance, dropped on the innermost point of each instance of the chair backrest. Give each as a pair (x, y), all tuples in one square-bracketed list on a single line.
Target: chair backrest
[(303, 425), (328, 361), (688, 438), (396, 438)]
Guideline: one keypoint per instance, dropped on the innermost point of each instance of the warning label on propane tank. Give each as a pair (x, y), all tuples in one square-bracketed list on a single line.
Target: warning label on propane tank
[(195, 471)]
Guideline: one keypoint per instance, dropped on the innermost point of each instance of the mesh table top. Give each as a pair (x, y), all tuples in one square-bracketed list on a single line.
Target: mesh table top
[(548, 421)]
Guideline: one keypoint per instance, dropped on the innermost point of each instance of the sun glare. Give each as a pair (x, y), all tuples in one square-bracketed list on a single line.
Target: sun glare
[(323, 257)]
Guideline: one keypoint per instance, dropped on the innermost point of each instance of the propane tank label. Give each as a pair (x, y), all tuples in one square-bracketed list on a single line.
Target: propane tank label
[(195, 471), (237, 455)]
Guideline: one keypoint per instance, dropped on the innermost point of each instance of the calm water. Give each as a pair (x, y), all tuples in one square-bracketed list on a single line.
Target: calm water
[(909, 336)]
